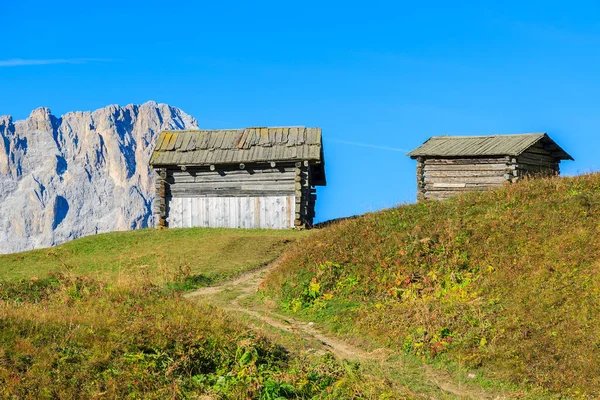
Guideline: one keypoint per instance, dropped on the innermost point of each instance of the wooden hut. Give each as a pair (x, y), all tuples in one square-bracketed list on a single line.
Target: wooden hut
[(239, 178), (448, 165)]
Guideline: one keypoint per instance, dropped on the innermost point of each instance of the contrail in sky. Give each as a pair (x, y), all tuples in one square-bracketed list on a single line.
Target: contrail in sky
[(19, 62), (371, 146)]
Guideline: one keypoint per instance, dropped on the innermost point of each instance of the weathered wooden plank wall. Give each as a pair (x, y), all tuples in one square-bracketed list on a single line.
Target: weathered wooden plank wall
[(253, 197), (273, 212), (537, 160), (265, 196), (443, 178), (228, 183)]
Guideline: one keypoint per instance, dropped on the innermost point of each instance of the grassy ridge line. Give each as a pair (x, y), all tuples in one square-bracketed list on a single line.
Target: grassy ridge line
[(207, 255), (503, 284)]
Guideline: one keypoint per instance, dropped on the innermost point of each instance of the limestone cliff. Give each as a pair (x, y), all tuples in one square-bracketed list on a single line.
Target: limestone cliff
[(81, 174)]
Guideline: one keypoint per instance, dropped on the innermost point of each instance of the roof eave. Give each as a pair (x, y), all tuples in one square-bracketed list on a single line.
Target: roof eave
[(563, 157), (290, 161), (415, 156)]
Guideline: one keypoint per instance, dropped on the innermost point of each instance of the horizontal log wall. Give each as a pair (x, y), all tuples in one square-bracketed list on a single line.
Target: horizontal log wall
[(536, 161), (232, 182), (443, 178)]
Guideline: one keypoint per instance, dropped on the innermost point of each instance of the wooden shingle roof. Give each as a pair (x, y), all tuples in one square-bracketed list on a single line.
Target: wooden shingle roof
[(481, 146), (207, 147)]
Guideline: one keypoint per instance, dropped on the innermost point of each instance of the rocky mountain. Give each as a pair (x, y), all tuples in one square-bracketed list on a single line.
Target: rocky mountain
[(80, 174)]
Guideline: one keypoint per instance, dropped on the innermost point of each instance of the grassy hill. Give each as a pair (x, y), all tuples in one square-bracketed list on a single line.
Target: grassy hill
[(501, 288), (104, 317), (503, 285)]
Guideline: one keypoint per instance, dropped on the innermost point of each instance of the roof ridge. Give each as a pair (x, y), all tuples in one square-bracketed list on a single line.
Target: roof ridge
[(238, 129), (277, 126), (491, 135)]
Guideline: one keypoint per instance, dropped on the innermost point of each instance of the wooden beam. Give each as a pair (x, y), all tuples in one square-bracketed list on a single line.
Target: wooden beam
[(468, 161), (467, 167), (459, 173), (472, 179), (448, 185)]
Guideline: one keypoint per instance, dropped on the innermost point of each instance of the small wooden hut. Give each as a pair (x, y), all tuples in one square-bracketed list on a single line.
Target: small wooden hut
[(448, 165), (240, 178)]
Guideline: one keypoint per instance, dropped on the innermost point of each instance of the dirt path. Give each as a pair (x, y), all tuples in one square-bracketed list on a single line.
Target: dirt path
[(247, 284), (228, 296)]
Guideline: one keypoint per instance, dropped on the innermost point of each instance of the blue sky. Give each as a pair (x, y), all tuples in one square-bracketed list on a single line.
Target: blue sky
[(378, 77)]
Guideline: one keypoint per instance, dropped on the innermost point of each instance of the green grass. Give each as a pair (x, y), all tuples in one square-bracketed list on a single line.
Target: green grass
[(504, 285), (73, 337), (104, 317), (202, 256)]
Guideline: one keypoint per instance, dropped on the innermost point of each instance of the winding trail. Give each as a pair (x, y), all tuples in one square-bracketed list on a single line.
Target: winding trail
[(249, 283)]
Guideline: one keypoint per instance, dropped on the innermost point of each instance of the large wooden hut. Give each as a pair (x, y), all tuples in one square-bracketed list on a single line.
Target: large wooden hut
[(239, 178), (448, 165)]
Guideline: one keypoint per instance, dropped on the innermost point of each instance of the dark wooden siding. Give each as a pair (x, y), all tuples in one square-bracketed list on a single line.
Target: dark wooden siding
[(537, 161), (305, 195)]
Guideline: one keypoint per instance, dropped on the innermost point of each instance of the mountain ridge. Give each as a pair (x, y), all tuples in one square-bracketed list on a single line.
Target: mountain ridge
[(82, 173)]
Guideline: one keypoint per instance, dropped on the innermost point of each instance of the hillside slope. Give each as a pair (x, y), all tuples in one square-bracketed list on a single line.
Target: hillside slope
[(504, 285), (103, 317), (79, 174)]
